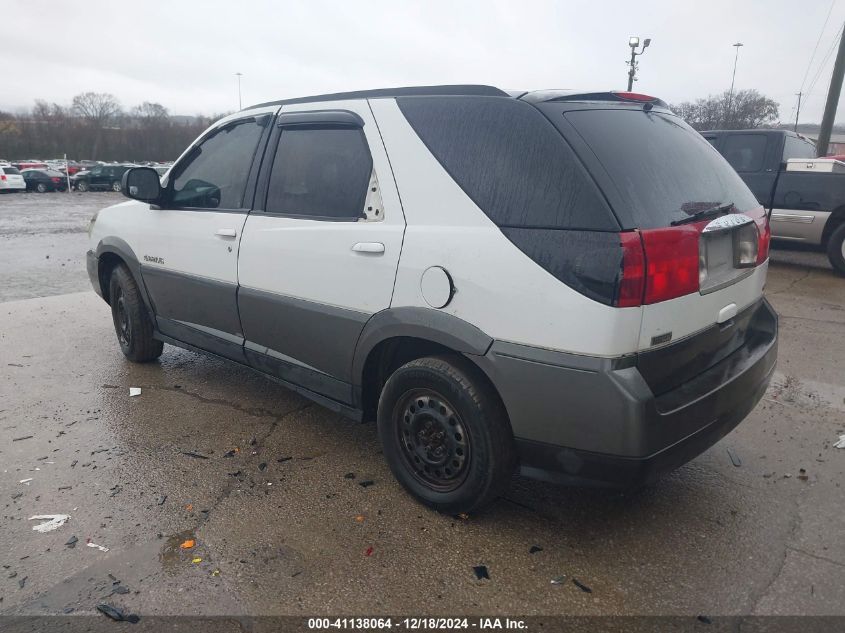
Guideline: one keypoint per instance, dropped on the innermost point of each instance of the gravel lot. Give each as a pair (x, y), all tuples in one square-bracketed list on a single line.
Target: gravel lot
[(283, 526)]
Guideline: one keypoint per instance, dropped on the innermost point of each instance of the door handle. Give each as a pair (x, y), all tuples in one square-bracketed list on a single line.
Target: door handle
[(226, 233), (368, 247)]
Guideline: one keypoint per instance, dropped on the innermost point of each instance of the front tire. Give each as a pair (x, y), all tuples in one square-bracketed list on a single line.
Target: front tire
[(116, 186), (836, 249), (445, 434), (132, 322)]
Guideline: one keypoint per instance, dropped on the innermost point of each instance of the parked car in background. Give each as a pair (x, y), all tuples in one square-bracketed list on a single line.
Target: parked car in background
[(99, 178), (43, 180), (566, 284), (11, 179), (30, 164), (804, 194)]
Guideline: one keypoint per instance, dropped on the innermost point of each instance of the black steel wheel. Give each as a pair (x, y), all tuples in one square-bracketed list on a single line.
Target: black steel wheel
[(445, 434), (435, 444)]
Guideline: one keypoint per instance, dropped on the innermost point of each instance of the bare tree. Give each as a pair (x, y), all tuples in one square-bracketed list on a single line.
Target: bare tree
[(98, 109), (747, 109)]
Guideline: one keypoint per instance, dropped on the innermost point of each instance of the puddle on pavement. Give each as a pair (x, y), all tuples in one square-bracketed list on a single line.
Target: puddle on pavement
[(173, 557)]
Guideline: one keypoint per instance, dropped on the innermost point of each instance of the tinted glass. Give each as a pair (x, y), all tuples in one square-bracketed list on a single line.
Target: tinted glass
[(510, 161), (12, 171), (795, 147), (663, 169), (214, 174), (745, 152), (321, 173)]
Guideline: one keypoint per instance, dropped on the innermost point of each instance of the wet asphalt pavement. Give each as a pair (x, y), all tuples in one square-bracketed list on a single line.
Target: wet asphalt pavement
[(284, 526)]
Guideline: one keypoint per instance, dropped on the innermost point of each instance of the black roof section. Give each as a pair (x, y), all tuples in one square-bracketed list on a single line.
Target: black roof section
[(468, 90)]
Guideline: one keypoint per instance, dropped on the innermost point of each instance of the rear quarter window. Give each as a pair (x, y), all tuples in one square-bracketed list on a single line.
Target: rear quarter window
[(745, 152), (510, 161)]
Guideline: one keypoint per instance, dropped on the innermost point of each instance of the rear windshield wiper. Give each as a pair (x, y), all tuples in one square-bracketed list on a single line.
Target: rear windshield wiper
[(698, 215)]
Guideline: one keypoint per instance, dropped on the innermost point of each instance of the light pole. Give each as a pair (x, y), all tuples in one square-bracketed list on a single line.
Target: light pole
[(633, 42), (733, 77), (240, 105)]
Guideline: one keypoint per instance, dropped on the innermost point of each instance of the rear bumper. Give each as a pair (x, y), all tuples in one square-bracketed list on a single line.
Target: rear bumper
[(601, 424)]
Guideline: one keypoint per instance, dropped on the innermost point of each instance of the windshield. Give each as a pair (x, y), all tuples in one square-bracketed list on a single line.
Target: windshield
[(664, 170)]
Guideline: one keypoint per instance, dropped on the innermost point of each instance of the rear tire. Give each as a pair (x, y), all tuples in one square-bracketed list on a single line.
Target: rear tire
[(41, 187), (116, 186), (836, 249), (445, 434), (132, 322)]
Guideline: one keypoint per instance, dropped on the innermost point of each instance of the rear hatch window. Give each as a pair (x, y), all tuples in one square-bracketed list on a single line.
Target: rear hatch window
[(9, 171), (663, 170)]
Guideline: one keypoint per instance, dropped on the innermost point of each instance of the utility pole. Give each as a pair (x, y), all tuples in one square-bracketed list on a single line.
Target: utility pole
[(797, 112), (633, 42), (240, 105), (832, 99), (733, 79)]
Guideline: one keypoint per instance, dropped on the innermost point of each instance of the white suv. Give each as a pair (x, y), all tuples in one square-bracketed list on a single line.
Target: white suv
[(564, 284)]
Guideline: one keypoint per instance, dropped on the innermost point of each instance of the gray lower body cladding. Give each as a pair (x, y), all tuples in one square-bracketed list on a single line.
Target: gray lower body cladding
[(586, 420)]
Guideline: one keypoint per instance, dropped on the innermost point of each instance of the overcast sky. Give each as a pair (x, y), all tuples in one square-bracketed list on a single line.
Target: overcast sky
[(185, 53)]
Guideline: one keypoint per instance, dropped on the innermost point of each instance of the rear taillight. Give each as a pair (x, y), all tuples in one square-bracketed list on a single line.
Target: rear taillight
[(56, 179), (658, 265), (765, 238), (633, 96), (2, 176), (632, 281)]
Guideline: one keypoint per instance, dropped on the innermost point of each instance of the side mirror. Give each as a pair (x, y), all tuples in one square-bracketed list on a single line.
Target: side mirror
[(142, 183)]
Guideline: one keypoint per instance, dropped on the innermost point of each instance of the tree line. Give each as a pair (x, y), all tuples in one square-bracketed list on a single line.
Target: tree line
[(95, 127)]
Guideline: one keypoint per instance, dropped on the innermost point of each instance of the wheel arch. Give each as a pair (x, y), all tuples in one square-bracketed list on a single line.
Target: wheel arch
[(397, 336), (111, 252), (836, 218)]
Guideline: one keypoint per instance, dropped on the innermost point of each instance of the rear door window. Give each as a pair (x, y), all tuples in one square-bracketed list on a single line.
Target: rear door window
[(320, 173), (510, 161), (663, 169), (745, 152)]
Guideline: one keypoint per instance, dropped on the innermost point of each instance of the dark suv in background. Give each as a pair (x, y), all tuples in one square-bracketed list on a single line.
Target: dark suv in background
[(99, 178)]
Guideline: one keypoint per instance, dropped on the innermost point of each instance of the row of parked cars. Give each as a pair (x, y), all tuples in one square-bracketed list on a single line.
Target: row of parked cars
[(41, 177)]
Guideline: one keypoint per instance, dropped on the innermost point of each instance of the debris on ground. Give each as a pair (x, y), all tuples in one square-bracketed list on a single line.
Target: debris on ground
[(369, 551), (349, 476), (189, 507), (284, 459), (25, 481), (196, 560), (71, 542), (481, 572), (534, 549), (188, 544), (161, 500), (262, 466), (253, 441), (134, 391), (117, 614), (102, 548), (232, 453), (559, 580), (216, 572), (51, 522), (120, 589), (194, 454), (463, 516), (735, 460), (581, 586), (17, 495), (802, 474), (22, 582), (840, 443), (20, 439), (359, 518), (366, 483)]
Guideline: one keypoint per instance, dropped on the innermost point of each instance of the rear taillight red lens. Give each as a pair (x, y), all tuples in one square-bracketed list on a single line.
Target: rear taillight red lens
[(671, 258), (765, 239), (56, 179), (634, 96), (2, 176)]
